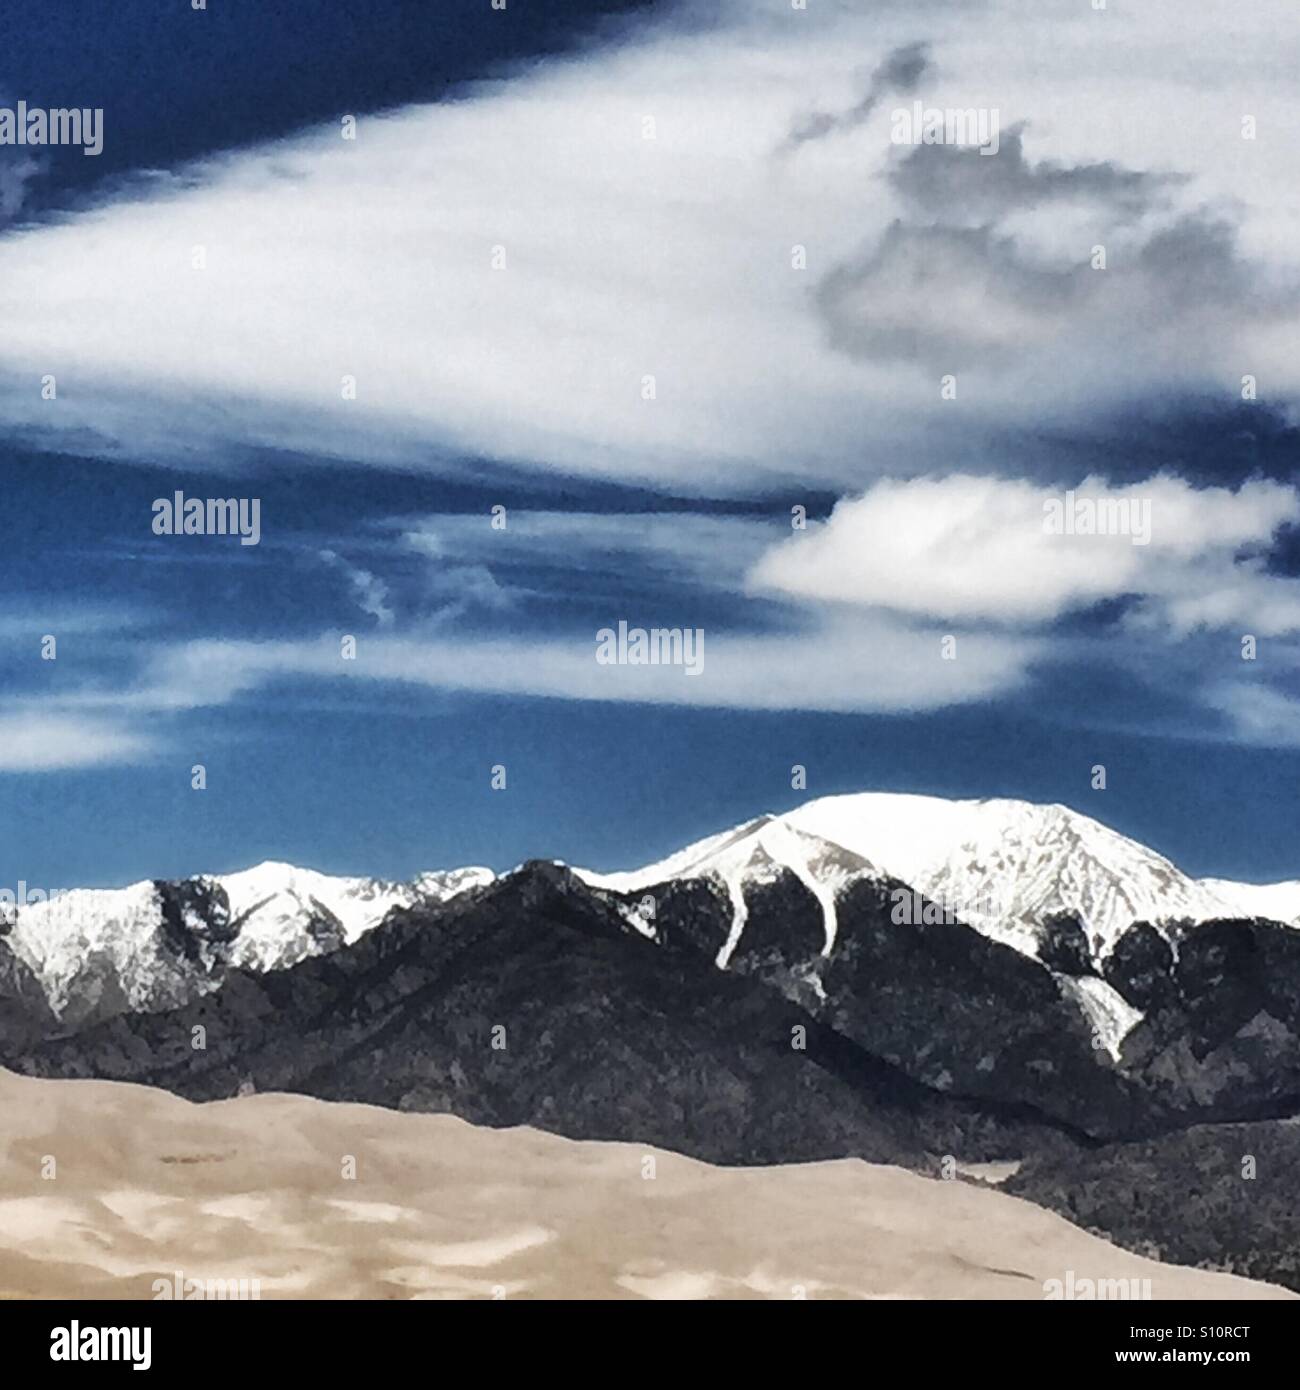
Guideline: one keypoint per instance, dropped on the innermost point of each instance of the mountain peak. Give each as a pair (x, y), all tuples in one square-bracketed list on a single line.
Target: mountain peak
[(1005, 865), (1002, 865)]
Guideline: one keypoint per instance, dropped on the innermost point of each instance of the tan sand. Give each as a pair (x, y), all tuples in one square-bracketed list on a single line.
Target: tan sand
[(146, 1185)]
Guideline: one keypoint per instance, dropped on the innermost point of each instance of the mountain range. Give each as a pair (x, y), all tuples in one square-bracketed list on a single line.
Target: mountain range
[(1005, 868), (902, 979), (153, 945)]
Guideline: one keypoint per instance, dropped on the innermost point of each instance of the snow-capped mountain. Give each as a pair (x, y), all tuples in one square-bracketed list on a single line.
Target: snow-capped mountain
[(281, 908), (1002, 866), (1280, 902), (154, 945), (1005, 866), (751, 854)]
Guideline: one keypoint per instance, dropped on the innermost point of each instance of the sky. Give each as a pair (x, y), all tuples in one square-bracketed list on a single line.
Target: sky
[(522, 324)]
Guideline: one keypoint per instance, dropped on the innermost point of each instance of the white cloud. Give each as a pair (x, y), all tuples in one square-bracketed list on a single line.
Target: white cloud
[(36, 742), (670, 257), (976, 549), (877, 665)]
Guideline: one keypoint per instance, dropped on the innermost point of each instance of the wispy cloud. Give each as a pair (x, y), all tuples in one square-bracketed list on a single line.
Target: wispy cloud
[(37, 742), (1259, 714), (878, 665), (371, 593)]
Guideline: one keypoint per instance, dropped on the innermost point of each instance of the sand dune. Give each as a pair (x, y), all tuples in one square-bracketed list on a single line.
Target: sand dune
[(146, 1185)]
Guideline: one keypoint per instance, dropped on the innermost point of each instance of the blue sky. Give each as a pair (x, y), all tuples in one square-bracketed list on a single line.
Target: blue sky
[(543, 210)]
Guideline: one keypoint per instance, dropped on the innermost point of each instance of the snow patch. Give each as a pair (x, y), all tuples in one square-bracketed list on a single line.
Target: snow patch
[(1111, 1017)]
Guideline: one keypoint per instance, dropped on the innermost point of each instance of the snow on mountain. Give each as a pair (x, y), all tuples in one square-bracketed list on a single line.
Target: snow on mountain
[(281, 908), (150, 946), (96, 950), (1278, 901), (1109, 1014), (1002, 866), (752, 853)]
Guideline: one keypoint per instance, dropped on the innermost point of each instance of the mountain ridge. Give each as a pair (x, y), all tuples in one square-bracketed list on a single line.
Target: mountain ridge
[(1009, 869), (1001, 865), (158, 943)]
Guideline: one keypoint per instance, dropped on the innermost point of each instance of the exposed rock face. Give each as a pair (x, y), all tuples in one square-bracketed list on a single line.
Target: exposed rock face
[(1221, 1036), (1141, 968), (1063, 945), (24, 1014), (193, 913)]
